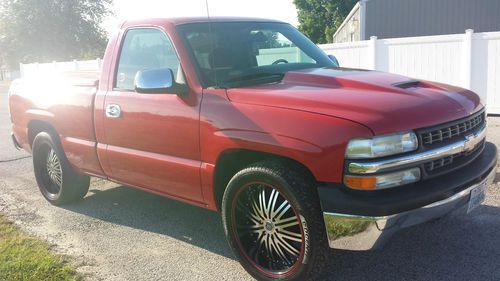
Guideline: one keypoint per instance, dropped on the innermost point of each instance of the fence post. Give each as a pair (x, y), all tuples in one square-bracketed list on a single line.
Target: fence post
[(467, 58), (372, 48), (75, 62), (99, 63), (21, 70), (54, 65)]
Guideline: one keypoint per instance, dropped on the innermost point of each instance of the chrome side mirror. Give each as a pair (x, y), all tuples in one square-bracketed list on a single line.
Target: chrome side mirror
[(157, 81), (334, 60)]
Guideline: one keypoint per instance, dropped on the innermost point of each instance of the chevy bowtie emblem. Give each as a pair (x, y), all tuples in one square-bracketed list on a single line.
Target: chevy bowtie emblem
[(469, 142)]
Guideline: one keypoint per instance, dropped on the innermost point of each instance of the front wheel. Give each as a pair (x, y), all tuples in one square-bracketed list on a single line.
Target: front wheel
[(56, 179), (273, 222)]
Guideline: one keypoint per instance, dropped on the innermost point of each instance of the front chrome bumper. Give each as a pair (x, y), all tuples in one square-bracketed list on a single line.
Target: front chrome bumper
[(354, 232)]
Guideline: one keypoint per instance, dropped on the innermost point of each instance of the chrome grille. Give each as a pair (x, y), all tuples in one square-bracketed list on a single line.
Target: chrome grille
[(451, 130), (436, 164), (457, 159)]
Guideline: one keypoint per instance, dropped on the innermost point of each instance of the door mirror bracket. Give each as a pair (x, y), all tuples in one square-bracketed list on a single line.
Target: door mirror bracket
[(334, 60)]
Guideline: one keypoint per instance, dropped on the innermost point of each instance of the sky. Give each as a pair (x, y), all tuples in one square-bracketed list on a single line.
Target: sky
[(283, 10)]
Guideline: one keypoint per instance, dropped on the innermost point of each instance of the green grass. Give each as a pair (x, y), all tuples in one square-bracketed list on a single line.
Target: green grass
[(23, 257), (338, 228)]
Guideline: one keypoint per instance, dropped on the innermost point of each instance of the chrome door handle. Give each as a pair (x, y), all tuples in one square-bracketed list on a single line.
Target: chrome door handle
[(113, 111)]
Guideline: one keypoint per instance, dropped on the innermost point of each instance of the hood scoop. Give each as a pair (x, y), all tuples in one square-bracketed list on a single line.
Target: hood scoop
[(349, 78), (410, 84)]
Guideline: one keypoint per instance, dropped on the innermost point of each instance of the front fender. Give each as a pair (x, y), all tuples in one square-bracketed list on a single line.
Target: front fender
[(314, 140)]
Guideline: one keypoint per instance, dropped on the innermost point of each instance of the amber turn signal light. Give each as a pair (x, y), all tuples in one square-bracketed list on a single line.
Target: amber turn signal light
[(368, 183)]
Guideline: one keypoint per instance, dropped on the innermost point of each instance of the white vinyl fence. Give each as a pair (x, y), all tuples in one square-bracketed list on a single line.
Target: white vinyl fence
[(27, 70), (470, 60)]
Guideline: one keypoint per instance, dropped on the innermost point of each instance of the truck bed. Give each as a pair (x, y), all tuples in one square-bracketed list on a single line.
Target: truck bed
[(64, 100)]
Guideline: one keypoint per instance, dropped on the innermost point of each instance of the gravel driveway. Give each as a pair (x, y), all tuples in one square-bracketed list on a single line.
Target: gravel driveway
[(118, 233)]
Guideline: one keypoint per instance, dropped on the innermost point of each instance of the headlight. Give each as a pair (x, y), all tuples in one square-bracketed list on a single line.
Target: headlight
[(381, 146)]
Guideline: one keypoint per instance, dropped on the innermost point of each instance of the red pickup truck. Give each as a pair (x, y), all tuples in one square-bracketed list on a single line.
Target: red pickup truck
[(250, 118)]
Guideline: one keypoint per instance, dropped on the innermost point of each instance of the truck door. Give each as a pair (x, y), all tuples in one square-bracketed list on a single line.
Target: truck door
[(152, 140)]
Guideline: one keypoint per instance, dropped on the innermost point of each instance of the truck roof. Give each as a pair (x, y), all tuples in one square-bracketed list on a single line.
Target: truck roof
[(186, 20)]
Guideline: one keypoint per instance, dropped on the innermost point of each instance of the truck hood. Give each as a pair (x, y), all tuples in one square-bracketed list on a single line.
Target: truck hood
[(386, 103)]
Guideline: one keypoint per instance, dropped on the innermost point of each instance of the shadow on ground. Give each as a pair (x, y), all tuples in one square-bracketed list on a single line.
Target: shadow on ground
[(434, 251), (141, 210)]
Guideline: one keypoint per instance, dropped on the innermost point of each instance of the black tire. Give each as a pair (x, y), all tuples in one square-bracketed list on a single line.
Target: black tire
[(56, 179), (294, 185)]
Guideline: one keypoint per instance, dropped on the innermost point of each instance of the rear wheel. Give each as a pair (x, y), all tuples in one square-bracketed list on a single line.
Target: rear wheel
[(56, 179), (273, 222)]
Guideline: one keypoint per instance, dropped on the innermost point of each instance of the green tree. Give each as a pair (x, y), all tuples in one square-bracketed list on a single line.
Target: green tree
[(319, 19), (48, 30)]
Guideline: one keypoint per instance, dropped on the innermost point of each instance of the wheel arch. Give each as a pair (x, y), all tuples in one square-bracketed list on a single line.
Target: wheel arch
[(231, 161), (37, 126)]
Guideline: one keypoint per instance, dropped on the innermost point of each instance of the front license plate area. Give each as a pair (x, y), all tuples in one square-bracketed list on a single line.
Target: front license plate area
[(477, 196)]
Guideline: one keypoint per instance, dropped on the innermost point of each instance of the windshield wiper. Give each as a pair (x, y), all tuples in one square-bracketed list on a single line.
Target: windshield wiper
[(254, 78)]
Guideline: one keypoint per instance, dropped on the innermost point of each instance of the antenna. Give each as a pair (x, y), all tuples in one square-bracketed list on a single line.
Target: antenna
[(208, 10)]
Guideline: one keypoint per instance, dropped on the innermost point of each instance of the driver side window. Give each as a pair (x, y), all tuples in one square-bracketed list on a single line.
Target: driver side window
[(144, 48)]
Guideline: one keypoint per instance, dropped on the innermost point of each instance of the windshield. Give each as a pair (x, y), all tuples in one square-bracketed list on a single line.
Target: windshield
[(231, 54)]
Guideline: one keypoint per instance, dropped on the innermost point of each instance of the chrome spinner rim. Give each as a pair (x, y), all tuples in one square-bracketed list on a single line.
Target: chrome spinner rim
[(268, 229), (54, 169)]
